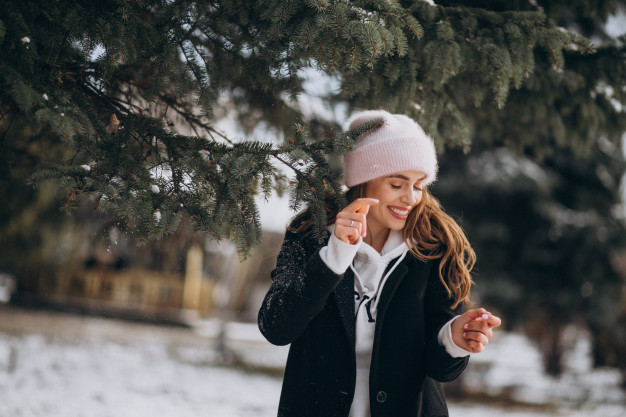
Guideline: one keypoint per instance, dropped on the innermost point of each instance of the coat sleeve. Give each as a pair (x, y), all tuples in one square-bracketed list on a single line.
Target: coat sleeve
[(301, 284), (439, 364)]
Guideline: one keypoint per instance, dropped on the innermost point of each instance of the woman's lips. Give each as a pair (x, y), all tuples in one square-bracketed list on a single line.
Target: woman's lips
[(400, 213)]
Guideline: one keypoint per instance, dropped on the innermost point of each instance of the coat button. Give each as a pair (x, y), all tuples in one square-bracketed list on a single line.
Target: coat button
[(381, 397)]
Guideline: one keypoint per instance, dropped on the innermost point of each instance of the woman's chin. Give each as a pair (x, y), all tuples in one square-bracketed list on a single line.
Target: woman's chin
[(397, 224)]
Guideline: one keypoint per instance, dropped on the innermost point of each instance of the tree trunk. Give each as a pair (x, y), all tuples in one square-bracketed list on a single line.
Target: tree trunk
[(552, 349)]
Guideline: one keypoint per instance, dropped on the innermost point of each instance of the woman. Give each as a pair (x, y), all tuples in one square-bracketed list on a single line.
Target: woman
[(373, 314)]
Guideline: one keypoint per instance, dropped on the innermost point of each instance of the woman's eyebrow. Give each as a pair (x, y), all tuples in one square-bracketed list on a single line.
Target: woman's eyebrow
[(402, 177)]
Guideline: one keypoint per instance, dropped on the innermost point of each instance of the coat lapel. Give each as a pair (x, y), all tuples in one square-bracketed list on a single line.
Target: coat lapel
[(344, 297), (392, 284)]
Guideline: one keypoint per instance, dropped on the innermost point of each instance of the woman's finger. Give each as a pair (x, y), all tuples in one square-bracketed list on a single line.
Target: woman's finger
[(354, 227), (482, 315), (475, 347), (344, 218), (476, 337), (350, 220), (476, 314), (351, 215), (348, 227), (348, 235), (493, 321), (361, 205), (477, 326)]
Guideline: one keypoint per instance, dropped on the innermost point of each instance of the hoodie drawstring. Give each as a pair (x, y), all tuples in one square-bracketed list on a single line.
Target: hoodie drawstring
[(381, 283)]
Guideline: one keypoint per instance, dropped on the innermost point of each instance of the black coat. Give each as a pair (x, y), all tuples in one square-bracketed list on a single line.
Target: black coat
[(311, 307)]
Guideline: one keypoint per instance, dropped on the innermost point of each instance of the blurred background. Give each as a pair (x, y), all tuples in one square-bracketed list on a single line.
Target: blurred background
[(97, 320), (182, 309), (85, 310)]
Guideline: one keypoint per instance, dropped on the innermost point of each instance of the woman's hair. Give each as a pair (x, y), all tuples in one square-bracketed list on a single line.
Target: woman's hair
[(430, 233)]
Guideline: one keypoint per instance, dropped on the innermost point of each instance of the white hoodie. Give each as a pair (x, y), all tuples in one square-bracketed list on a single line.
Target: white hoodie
[(369, 266)]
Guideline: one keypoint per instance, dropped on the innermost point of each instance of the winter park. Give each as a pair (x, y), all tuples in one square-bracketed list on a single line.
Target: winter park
[(313, 208)]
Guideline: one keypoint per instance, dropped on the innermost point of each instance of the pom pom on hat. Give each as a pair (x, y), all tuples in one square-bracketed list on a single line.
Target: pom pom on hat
[(399, 144)]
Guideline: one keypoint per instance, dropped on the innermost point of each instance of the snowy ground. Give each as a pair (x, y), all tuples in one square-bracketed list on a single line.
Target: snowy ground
[(60, 365)]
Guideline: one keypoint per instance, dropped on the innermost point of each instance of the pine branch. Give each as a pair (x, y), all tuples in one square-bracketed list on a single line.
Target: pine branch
[(67, 68)]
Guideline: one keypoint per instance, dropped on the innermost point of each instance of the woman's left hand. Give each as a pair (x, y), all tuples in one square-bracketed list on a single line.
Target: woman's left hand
[(473, 329)]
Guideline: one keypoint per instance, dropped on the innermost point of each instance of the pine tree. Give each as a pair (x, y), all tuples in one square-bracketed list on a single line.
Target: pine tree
[(541, 196), (119, 83), (547, 237)]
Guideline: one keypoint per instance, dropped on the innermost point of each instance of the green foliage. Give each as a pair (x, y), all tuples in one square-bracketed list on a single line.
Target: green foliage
[(546, 237), (133, 89)]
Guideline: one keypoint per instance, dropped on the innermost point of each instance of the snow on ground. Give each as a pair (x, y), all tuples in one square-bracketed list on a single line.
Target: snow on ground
[(61, 365), (89, 378)]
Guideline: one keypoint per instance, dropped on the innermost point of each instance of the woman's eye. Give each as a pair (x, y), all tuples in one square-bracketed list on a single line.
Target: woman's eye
[(417, 188), (395, 186)]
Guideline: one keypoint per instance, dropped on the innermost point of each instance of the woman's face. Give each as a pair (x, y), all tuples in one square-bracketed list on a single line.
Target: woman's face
[(397, 194)]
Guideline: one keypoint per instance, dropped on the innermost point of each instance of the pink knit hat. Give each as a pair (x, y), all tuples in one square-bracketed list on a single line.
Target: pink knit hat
[(399, 144)]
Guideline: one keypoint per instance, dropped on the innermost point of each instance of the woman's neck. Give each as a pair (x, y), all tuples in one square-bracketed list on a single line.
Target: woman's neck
[(376, 238)]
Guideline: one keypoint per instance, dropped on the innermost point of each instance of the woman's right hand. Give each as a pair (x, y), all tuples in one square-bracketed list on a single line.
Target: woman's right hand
[(351, 223)]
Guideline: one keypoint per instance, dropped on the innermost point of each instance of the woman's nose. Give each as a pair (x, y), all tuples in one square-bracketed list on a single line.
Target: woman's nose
[(409, 198)]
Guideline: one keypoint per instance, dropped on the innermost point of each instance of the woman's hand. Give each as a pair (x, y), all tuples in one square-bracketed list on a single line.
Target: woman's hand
[(350, 223), (472, 330)]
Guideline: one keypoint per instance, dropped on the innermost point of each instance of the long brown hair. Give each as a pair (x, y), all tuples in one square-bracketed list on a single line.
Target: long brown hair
[(430, 233)]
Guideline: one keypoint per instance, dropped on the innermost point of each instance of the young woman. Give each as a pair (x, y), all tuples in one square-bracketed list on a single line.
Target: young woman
[(373, 314)]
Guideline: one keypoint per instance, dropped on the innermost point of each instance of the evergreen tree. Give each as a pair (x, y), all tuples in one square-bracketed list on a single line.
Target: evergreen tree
[(119, 82), (546, 236), (540, 195), (30, 222)]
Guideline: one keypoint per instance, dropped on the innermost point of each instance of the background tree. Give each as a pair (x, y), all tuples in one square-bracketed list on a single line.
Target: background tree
[(119, 81), (547, 237), (30, 245), (541, 195)]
